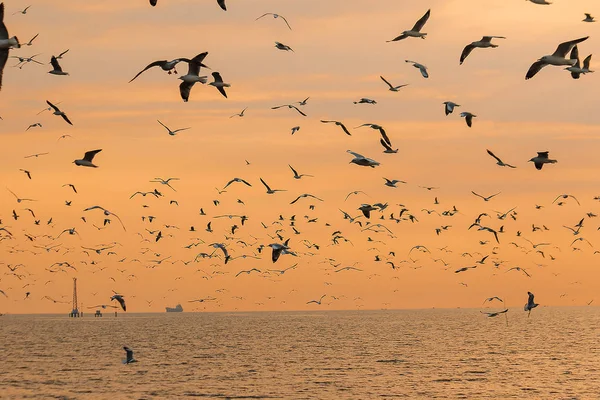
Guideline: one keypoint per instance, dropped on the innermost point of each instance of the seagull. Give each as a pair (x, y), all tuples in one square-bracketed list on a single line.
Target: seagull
[(62, 54), (392, 183), (168, 66), (588, 18), (106, 213), (296, 175), (120, 299), (366, 210), (494, 314), (485, 198), (172, 133), (24, 11), (566, 196), (247, 272), (576, 69), (28, 173), (317, 301), (338, 123), (278, 249), (282, 46), (381, 131), (275, 16), (192, 76), (416, 30), (519, 269), (493, 298), (392, 88), (499, 161), (303, 102), (485, 42), (531, 304), (165, 182), (541, 159), (421, 68), (86, 161), (468, 117), (289, 106), (58, 112), (128, 351), (449, 107), (295, 129), (19, 200), (238, 180), (5, 43), (305, 195), (30, 43), (33, 126), (269, 190), (219, 84), (364, 100), (241, 114), (56, 68), (557, 58), (362, 160)]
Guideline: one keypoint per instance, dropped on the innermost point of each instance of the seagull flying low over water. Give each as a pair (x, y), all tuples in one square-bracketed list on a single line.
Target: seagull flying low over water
[(121, 301), (6, 43), (495, 313), (421, 68), (416, 29), (275, 16), (499, 161), (531, 304), (556, 58), (86, 161), (128, 351), (192, 76), (485, 42), (541, 159)]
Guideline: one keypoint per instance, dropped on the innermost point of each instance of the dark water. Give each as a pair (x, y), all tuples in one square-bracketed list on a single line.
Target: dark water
[(425, 354)]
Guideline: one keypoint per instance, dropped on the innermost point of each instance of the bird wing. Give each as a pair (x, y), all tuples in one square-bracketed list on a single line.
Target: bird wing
[(184, 90), (297, 109), (218, 78), (293, 170), (535, 68), (288, 25), (575, 55), (355, 154), (3, 59), (344, 128), (152, 64), (222, 4), (297, 198), (466, 51), (402, 36), (264, 183), (195, 63), (89, 155), (389, 84), (493, 155), (420, 23), (564, 48), (52, 105), (64, 116), (55, 64), (63, 53), (423, 71), (586, 62), (264, 15), (385, 136), (385, 145), (3, 31)]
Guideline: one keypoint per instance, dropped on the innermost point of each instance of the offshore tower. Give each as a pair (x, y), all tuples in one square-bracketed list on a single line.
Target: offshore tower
[(75, 311)]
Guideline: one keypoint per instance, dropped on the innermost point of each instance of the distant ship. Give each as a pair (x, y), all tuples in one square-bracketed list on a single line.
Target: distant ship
[(177, 308)]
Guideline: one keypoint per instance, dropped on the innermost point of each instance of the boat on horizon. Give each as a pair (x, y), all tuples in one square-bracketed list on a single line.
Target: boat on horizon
[(177, 308)]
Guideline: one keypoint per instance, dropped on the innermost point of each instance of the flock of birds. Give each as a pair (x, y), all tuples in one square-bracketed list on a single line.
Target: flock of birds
[(285, 232)]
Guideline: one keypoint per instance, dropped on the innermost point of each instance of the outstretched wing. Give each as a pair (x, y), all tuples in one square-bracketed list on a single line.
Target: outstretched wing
[(535, 68), (465, 53), (222, 4), (564, 48), (420, 23), (152, 64)]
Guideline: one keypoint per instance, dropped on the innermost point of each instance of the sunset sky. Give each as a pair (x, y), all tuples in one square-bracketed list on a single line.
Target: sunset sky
[(340, 50)]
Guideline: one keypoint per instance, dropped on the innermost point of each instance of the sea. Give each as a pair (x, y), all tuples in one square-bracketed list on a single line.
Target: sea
[(411, 354)]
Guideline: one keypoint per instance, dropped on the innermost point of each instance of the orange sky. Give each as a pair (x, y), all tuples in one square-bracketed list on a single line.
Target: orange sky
[(340, 51)]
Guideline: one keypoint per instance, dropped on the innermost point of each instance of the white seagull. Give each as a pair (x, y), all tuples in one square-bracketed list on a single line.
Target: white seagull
[(192, 76), (362, 160), (576, 69), (86, 161), (392, 88), (172, 133), (468, 117), (275, 16), (449, 107), (541, 159), (219, 84), (556, 58), (60, 113), (485, 42), (421, 68), (416, 29)]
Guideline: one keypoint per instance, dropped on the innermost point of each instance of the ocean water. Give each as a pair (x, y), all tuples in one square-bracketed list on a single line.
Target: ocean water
[(414, 354)]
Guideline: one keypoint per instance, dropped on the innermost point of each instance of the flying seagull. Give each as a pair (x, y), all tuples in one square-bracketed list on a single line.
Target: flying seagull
[(240, 114), (192, 76), (58, 112), (282, 46), (338, 123), (416, 30), (362, 160), (296, 175), (5, 43), (168, 66), (421, 68), (531, 304), (541, 159), (468, 117), (494, 314), (289, 106), (23, 11), (269, 190), (588, 18), (449, 107), (275, 16), (485, 198), (128, 351), (219, 84), (499, 161), (106, 213), (121, 301), (576, 69), (86, 161), (317, 301), (392, 88), (56, 68), (172, 133), (485, 42), (556, 58)]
